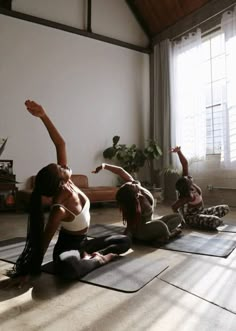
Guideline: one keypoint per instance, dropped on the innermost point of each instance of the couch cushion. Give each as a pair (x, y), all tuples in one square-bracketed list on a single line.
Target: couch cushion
[(80, 180), (100, 193), (95, 193)]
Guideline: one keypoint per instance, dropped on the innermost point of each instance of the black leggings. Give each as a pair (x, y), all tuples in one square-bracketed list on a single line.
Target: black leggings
[(70, 248)]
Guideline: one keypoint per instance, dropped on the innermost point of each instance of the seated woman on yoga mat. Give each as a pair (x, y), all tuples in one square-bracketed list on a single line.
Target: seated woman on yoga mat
[(74, 255), (137, 205), (190, 200)]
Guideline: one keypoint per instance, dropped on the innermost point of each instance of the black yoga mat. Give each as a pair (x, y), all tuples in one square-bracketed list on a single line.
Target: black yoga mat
[(127, 273), (100, 230), (10, 250), (205, 245)]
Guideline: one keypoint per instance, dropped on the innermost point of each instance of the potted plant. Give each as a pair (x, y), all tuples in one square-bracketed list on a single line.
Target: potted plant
[(132, 158)]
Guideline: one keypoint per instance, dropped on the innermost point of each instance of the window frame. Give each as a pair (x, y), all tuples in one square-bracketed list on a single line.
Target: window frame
[(208, 36)]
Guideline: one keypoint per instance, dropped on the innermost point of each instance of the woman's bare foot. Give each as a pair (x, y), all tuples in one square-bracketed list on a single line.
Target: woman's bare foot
[(86, 256), (176, 232), (182, 225), (103, 259)]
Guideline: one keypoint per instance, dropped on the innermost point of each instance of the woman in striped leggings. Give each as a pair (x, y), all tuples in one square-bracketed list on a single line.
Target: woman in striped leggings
[(190, 201)]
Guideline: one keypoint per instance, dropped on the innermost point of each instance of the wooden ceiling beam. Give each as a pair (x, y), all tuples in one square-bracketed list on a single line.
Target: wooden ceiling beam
[(71, 29), (6, 4), (89, 15)]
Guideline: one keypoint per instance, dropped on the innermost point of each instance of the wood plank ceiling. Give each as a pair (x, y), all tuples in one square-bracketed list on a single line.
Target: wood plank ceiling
[(157, 15)]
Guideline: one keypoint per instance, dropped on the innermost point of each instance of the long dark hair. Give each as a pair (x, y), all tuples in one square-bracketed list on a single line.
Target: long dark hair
[(183, 187), (128, 199), (47, 183)]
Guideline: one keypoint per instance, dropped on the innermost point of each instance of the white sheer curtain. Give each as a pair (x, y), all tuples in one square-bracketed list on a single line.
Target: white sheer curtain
[(228, 24), (188, 114)]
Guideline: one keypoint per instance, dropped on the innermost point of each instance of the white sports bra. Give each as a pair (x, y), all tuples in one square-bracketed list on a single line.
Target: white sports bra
[(80, 221), (197, 197)]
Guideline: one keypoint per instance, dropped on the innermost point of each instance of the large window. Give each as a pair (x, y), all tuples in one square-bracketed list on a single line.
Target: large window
[(213, 52), (203, 92)]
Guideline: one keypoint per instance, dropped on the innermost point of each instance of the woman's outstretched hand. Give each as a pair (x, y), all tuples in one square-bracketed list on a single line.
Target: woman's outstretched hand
[(97, 170), (34, 108), (175, 149)]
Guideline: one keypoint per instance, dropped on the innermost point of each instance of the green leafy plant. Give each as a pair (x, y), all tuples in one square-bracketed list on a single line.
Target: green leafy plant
[(152, 151), (132, 158)]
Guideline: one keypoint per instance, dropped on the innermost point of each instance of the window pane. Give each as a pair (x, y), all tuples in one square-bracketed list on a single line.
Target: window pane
[(218, 68), (208, 95), (217, 92), (206, 72), (206, 50), (209, 126), (217, 111), (217, 131), (217, 45), (214, 129)]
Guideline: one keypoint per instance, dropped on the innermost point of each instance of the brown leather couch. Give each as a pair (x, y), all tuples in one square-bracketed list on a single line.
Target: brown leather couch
[(95, 194)]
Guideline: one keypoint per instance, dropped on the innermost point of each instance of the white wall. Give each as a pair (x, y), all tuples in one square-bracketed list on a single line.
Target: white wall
[(92, 91), (70, 12), (111, 18)]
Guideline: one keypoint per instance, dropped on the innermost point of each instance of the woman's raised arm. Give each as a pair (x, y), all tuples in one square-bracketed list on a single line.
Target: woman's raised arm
[(122, 173), (37, 110), (182, 158)]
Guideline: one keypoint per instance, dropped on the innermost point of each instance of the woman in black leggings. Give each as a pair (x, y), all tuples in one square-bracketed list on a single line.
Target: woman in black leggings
[(74, 255)]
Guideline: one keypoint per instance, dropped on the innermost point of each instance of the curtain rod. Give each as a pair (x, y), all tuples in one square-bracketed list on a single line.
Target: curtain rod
[(204, 22)]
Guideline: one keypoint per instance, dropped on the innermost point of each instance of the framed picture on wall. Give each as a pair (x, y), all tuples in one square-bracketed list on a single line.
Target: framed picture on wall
[(6, 167)]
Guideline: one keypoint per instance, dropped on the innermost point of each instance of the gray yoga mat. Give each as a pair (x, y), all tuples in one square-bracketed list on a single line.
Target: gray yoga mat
[(100, 230), (205, 245), (127, 273), (195, 244), (227, 228)]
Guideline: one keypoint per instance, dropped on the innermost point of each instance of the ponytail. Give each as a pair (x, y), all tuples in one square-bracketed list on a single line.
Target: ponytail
[(128, 199), (47, 183), (30, 260)]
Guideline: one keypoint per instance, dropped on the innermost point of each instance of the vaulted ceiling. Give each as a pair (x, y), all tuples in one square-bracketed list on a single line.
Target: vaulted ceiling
[(160, 19), (157, 15)]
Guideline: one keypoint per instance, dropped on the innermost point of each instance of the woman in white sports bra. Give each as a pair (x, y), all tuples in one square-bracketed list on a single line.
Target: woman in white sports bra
[(190, 201), (74, 255)]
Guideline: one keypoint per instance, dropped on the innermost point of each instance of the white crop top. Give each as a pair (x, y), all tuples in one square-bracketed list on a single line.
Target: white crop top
[(81, 221)]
